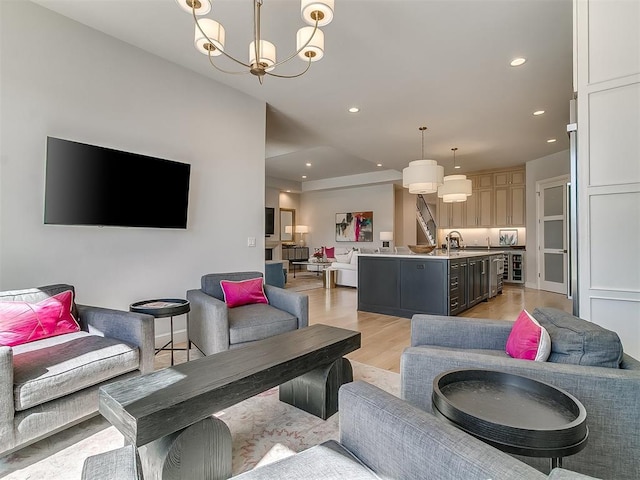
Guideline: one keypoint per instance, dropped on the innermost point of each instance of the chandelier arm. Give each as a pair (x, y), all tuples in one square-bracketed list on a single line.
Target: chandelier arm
[(244, 72), (195, 18), (301, 48), (290, 76)]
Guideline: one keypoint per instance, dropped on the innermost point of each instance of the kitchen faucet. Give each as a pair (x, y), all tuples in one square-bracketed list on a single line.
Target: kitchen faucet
[(448, 239)]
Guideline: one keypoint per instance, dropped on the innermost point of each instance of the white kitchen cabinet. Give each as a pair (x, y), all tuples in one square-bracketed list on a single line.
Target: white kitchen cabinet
[(509, 205)]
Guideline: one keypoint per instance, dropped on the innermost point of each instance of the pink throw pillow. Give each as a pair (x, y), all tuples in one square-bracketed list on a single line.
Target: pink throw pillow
[(528, 339), (23, 322), (243, 292), (330, 252)]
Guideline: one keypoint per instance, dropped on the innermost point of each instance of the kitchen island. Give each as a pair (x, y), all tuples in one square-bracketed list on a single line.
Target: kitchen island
[(438, 283)]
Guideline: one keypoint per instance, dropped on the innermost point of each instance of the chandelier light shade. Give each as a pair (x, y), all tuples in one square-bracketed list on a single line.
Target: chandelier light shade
[(313, 11), (422, 176), (456, 188), (310, 44), (197, 7), (267, 54), (210, 38)]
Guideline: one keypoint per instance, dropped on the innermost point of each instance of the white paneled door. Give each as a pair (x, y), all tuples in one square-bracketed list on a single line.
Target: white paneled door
[(552, 235)]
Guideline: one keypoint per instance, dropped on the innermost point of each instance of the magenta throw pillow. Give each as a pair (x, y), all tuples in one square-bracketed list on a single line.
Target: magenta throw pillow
[(528, 340), (330, 252), (23, 322), (244, 292)]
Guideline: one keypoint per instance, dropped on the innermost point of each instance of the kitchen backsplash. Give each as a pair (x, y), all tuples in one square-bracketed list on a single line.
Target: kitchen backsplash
[(473, 237)]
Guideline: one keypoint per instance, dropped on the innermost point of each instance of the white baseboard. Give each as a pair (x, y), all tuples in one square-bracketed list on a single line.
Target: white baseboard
[(179, 336)]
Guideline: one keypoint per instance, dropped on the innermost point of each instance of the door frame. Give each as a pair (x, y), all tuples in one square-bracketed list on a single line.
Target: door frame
[(540, 184)]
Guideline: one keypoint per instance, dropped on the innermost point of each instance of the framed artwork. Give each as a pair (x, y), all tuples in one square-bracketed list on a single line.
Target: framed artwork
[(508, 237), (354, 227)]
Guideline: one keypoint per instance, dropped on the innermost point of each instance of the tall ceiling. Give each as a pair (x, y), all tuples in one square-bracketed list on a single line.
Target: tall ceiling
[(443, 64)]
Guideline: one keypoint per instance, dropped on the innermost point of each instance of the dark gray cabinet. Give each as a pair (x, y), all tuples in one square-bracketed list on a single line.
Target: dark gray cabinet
[(402, 286), (458, 279), (478, 281), (295, 253)]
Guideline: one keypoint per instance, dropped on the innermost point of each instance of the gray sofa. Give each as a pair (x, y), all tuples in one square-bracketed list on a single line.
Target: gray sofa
[(382, 436), (215, 328), (611, 396), (50, 384)]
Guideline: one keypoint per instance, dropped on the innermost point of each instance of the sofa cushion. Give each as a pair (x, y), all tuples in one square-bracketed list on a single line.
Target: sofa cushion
[(57, 366), (579, 342), (23, 322), (327, 461), (258, 321), (34, 295), (528, 340), (243, 292), (210, 283)]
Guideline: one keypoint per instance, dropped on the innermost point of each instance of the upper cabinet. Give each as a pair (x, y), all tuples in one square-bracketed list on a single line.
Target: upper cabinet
[(498, 200)]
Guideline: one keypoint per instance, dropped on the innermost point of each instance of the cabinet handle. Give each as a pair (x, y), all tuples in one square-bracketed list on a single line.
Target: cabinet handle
[(453, 285), (454, 267), (454, 306)]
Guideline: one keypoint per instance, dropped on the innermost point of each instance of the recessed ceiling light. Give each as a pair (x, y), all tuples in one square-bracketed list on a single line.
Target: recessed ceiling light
[(354, 110), (379, 164), (308, 164), (516, 62), (304, 176), (538, 112), (551, 140), (457, 166), (288, 191)]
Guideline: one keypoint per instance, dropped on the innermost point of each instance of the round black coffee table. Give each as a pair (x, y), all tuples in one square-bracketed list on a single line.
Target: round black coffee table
[(162, 308), (515, 414)]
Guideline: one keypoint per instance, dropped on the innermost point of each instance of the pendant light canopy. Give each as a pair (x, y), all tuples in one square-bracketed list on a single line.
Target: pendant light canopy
[(422, 176)]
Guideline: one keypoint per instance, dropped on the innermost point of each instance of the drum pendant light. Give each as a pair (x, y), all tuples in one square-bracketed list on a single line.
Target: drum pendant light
[(422, 176)]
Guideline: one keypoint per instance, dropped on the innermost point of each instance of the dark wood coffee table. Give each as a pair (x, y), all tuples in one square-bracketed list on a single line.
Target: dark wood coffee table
[(515, 414)]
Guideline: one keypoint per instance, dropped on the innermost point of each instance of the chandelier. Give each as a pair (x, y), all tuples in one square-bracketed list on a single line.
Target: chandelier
[(422, 176), (210, 38)]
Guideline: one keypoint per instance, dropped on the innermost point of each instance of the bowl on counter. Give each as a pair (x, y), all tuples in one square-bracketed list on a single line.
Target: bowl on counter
[(421, 248)]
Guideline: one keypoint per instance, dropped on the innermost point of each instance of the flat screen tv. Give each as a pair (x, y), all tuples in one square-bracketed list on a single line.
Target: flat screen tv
[(269, 220), (91, 185)]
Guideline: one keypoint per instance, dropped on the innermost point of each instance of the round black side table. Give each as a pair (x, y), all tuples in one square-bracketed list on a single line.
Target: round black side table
[(515, 414), (162, 308)]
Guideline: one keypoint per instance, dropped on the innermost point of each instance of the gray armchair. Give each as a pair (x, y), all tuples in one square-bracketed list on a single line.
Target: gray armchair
[(51, 384), (611, 396), (215, 328), (382, 436)]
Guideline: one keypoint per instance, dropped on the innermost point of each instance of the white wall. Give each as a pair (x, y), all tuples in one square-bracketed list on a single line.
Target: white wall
[(539, 169), (63, 79), (607, 53), (318, 211)]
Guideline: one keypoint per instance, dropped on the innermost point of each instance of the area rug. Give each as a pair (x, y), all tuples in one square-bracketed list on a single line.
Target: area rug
[(263, 430)]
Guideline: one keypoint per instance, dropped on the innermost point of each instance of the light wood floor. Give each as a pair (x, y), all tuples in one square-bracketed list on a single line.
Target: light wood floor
[(385, 337)]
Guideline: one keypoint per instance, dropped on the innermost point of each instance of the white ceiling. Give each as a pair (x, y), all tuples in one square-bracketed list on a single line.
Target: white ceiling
[(406, 63)]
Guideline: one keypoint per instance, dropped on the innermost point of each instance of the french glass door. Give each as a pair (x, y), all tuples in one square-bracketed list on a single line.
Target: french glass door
[(552, 236)]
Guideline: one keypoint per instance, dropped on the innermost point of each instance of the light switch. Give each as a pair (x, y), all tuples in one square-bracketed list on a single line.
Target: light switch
[(251, 241)]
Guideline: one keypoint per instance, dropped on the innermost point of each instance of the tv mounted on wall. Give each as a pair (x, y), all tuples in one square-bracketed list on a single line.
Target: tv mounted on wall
[(91, 185)]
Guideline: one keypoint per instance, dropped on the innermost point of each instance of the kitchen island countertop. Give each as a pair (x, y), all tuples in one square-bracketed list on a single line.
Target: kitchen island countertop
[(437, 254)]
